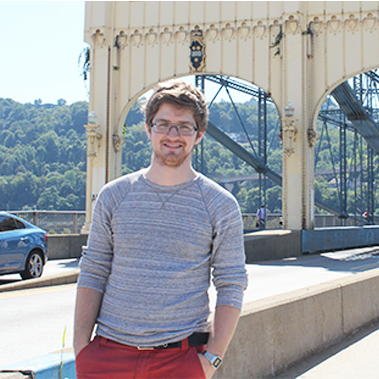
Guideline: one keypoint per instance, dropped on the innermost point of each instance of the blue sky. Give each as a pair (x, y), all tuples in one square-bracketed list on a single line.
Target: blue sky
[(40, 44)]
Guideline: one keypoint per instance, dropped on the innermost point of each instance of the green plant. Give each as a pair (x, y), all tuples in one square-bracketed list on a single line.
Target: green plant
[(63, 346)]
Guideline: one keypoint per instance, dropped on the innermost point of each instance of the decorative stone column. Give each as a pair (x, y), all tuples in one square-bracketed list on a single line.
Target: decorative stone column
[(289, 130), (93, 138), (292, 187)]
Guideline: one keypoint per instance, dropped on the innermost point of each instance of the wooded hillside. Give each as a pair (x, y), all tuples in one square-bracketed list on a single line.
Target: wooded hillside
[(43, 156)]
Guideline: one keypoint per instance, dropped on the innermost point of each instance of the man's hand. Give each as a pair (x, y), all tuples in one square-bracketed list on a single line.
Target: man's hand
[(207, 367)]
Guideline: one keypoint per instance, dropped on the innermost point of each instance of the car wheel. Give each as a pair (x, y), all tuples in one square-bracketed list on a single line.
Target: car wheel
[(34, 266)]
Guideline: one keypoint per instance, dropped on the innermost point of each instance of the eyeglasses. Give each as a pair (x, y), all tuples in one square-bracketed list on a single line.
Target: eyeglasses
[(163, 127)]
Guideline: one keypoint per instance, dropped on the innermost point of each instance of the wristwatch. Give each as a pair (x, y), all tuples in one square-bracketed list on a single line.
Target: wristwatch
[(215, 360)]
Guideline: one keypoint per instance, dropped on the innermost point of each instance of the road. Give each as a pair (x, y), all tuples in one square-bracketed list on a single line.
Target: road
[(33, 321)]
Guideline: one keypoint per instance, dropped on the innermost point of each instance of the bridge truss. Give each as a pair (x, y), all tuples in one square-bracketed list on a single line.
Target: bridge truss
[(352, 109)]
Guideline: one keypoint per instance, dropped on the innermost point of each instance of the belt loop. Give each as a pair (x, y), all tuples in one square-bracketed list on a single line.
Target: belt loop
[(185, 344)]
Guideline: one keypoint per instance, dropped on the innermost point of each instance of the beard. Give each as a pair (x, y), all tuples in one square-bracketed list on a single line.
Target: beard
[(171, 159)]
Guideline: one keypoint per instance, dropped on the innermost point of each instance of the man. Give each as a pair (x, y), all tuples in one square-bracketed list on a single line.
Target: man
[(261, 217), (155, 237)]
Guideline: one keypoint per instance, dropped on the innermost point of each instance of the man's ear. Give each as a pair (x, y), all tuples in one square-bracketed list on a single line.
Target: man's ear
[(148, 131), (199, 137)]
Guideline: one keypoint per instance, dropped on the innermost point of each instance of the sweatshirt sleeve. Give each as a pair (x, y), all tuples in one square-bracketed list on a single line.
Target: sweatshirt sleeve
[(228, 253), (95, 264)]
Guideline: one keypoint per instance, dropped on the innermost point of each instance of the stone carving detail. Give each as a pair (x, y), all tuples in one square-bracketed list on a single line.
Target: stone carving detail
[(121, 39), (334, 24), (181, 35), (288, 135), (244, 31), (151, 37), (212, 33), (351, 23), (316, 26), (312, 137), (292, 25), (136, 38), (117, 142), (166, 36), (228, 32), (99, 38), (370, 22), (260, 30)]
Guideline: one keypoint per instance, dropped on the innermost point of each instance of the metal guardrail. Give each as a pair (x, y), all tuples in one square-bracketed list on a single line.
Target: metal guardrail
[(321, 221), (273, 221), (55, 222)]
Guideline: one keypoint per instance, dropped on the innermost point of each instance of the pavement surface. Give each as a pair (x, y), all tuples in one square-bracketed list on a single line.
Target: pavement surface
[(354, 357), (56, 272)]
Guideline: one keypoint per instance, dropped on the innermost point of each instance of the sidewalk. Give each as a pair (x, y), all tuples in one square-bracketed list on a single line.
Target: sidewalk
[(56, 272), (353, 358)]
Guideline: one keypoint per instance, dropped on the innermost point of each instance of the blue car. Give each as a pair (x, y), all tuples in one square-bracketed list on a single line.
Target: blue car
[(23, 247)]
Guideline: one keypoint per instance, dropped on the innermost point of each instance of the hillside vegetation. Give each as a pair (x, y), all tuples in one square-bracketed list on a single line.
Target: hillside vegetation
[(43, 156)]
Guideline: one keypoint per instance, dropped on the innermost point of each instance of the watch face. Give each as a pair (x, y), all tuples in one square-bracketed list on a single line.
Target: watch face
[(217, 362)]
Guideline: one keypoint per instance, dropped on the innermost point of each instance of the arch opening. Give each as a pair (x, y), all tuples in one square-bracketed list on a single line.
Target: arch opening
[(346, 152), (241, 149)]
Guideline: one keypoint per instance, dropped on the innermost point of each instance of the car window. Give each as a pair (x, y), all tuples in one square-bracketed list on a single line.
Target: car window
[(7, 223), (19, 224)]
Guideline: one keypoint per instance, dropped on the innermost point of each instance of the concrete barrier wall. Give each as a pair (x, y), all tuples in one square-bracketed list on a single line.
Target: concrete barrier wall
[(272, 244), (277, 332), (259, 246), (63, 246)]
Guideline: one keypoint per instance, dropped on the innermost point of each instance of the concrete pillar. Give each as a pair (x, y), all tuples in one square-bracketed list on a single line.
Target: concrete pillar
[(298, 154), (104, 144), (93, 143)]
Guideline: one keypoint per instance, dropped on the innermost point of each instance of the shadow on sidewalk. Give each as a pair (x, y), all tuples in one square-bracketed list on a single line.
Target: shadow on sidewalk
[(66, 263)]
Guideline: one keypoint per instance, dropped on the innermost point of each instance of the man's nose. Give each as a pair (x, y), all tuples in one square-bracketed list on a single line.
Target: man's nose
[(173, 129)]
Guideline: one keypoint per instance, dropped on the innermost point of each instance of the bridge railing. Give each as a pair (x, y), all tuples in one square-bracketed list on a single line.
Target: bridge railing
[(71, 222), (274, 221), (55, 222)]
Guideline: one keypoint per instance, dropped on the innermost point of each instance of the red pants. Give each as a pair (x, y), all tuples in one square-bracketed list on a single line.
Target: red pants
[(106, 359)]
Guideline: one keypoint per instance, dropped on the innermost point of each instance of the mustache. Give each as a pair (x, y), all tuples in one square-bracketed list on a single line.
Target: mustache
[(172, 140)]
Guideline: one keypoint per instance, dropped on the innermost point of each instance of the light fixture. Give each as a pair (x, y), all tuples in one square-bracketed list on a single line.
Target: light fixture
[(92, 118), (289, 110)]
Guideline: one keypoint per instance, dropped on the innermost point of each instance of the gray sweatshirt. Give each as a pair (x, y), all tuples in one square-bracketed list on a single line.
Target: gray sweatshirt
[(151, 251)]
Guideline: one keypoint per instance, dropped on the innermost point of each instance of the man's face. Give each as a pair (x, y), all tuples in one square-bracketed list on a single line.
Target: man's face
[(173, 149)]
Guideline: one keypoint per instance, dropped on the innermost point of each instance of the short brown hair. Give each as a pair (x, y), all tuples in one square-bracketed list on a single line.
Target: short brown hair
[(180, 94)]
